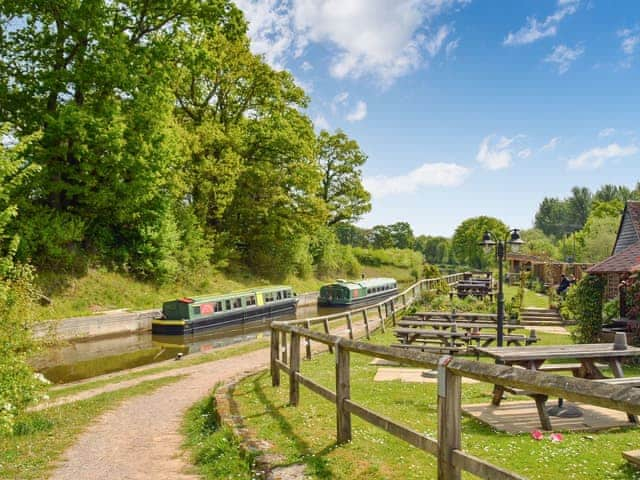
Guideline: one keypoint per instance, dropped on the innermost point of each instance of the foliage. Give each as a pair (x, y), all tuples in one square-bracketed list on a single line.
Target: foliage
[(611, 310), (341, 160), (583, 303), (432, 271), (396, 257), (331, 258), (216, 451), (633, 297), (436, 250), (19, 387), (467, 238), (539, 244)]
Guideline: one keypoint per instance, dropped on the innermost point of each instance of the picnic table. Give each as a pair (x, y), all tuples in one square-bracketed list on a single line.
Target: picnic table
[(454, 316), (451, 336), (587, 355), (477, 287)]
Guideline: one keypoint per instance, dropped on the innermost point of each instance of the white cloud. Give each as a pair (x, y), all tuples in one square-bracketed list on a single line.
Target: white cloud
[(630, 39), (551, 145), (383, 39), (427, 175), (269, 29), (595, 158), (451, 47), (496, 155), (607, 132), (359, 113), (535, 30), (563, 56), (306, 66), (526, 153), (321, 123)]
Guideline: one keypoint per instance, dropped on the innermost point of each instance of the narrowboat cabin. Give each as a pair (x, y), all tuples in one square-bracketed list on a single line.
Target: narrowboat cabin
[(347, 293), (198, 314)]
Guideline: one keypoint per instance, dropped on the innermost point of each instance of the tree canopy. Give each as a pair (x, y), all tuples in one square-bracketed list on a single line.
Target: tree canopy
[(467, 237)]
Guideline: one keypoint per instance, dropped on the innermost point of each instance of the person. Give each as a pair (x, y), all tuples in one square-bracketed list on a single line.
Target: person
[(564, 284)]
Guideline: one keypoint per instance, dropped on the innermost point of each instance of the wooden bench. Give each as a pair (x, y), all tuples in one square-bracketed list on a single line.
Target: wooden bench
[(566, 367), (622, 381), (431, 348)]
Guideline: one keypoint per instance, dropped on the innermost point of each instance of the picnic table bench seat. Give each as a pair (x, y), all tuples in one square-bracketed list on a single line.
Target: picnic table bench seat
[(431, 348)]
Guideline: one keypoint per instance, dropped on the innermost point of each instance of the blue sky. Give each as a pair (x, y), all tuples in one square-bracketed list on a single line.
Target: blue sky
[(467, 107)]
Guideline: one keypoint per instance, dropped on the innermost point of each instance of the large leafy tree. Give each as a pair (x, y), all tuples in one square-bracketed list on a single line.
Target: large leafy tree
[(95, 78), (436, 250), (18, 386), (341, 161), (468, 235)]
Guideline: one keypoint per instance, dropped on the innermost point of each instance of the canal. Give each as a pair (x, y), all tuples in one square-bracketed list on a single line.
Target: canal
[(77, 360)]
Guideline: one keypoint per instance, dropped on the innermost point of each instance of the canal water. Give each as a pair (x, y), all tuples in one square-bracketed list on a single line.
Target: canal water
[(78, 360)]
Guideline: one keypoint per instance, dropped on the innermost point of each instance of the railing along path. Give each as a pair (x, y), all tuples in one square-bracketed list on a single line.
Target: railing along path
[(451, 458)]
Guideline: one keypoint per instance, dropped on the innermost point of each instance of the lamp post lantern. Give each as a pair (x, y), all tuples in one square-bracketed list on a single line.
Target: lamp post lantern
[(489, 241)]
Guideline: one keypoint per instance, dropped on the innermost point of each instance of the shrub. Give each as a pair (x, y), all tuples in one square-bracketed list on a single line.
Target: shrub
[(611, 310), (583, 303)]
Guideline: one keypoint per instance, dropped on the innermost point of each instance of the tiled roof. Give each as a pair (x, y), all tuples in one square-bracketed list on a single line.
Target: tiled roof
[(626, 261), (634, 209)]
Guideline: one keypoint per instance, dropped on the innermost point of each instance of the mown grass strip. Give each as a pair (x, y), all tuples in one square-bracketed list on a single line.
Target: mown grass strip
[(214, 449), (41, 437)]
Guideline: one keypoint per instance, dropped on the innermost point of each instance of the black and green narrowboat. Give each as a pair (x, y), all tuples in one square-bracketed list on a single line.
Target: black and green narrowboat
[(357, 292), (198, 314)]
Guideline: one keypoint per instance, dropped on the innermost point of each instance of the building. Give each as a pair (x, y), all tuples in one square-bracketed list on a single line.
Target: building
[(625, 258), (547, 271)]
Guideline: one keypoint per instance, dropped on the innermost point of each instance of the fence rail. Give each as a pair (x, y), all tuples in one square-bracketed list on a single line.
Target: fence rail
[(286, 338)]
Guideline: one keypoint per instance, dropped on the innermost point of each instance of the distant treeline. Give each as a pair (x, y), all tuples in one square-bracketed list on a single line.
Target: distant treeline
[(151, 140)]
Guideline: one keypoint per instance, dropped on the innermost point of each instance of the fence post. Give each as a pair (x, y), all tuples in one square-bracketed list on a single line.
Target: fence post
[(326, 330), (365, 316), (275, 354), (294, 368), (343, 392), (404, 300), (449, 426), (393, 312), (381, 318), (350, 326), (284, 347), (307, 341)]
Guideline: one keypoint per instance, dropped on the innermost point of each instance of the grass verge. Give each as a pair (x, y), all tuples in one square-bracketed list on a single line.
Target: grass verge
[(188, 361), (214, 449), (306, 434), (40, 437)]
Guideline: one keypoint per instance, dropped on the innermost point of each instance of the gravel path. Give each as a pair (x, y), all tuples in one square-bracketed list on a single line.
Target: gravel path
[(140, 439)]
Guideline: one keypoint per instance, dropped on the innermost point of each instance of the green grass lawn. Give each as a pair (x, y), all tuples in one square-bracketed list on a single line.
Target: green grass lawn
[(531, 298), (41, 437), (306, 434)]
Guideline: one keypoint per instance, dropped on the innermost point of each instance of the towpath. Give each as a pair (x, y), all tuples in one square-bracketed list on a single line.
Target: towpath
[(140, 439)]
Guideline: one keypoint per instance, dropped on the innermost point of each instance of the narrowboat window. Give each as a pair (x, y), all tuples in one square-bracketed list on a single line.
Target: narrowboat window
[(251, 300), (279, 296), (237, 303), (217, 307), (196, 310), (227, 304), (268, 297)]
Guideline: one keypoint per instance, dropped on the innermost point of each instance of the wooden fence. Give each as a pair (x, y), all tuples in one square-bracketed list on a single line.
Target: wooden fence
[(452, 459)]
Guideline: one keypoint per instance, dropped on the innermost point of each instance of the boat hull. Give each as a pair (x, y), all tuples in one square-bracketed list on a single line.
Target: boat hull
[(187, 327)]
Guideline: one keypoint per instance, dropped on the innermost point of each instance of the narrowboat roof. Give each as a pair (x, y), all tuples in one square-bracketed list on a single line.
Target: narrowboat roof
[(366, 283), (235, 294)]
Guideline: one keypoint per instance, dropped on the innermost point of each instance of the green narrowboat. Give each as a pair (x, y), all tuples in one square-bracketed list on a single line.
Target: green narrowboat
[(198, 314), (357, 292)]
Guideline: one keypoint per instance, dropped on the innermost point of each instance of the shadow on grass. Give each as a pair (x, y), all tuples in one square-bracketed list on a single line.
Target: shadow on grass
[(315, 461)]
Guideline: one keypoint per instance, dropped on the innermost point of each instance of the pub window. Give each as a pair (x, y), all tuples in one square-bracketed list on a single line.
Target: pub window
[(237, 303), (217, 307), (227, 304)]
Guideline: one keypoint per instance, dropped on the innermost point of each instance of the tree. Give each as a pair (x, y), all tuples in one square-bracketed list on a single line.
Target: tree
[(436, 250), (381, 237), (351, 235), (467, 237), (551, 217), (537, 243), (18, 385), (340, 160), (402, 235), (95, 78), (579, 206)]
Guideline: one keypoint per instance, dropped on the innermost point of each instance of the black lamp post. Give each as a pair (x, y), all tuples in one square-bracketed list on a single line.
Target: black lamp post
[(489, 241)]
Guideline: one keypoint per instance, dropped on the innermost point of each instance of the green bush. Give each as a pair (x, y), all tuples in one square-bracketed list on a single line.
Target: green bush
[(583, 303), (402, 258), (611, 310)]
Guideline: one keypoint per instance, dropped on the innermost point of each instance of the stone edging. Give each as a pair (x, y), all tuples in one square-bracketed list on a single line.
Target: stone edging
[(265, 462)]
